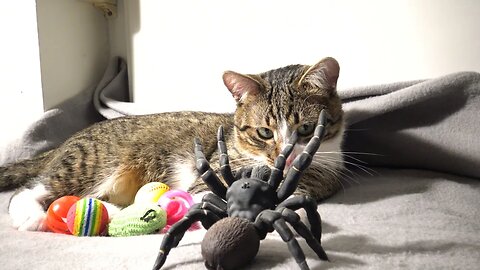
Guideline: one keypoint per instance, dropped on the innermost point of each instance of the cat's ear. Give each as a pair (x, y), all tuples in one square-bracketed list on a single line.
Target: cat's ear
[(323, 74), (241, 85)]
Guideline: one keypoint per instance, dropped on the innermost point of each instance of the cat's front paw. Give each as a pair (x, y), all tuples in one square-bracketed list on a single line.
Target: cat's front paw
[(32, 222), (26, 212), (27, 217)]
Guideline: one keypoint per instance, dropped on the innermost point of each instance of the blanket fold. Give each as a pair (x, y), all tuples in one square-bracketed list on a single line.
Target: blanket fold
[(431, 124)]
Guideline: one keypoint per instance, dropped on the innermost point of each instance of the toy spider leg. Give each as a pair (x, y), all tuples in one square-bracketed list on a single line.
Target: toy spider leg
[(206, 173), (225, 169), (279, 165), (294, 219), (212, 202), (270, 220), (208, 212), (310, 207), (302, 161)]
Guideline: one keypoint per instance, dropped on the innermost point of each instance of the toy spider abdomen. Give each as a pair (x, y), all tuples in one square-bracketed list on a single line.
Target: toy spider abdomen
[(230, 243), (250, 207)]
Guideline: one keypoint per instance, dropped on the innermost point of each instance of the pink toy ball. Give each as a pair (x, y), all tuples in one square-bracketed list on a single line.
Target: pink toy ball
[(176, 203), (87, 217), (176, 210)]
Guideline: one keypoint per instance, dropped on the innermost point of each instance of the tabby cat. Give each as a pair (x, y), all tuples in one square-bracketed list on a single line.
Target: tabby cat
[(112, 159)]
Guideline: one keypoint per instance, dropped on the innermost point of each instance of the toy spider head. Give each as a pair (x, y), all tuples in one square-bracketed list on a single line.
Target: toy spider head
[(255, 203), (251, 194)]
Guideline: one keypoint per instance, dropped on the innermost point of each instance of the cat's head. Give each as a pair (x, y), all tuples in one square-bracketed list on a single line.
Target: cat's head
[(271, 105)]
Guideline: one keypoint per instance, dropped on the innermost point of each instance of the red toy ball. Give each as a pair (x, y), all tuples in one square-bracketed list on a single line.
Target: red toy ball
[(57, 214)]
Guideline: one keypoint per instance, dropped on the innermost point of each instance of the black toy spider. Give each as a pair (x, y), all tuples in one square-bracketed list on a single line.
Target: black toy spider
[(239, 216)]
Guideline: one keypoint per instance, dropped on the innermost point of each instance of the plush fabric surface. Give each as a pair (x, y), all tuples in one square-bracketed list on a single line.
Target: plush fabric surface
[(411, 201)]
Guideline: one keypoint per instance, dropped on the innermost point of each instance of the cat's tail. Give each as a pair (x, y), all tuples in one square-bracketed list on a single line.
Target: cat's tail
[(18, 174)]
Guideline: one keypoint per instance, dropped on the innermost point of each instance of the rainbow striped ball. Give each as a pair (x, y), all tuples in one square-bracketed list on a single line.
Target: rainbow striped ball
[(87, 217)]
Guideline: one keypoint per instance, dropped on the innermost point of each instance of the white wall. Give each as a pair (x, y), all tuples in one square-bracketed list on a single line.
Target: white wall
[(20, 82), (179, 49), (71, 40), (74, 47)]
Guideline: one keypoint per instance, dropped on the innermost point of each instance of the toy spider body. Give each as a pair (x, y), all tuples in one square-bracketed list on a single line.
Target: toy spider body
[(253, 205)]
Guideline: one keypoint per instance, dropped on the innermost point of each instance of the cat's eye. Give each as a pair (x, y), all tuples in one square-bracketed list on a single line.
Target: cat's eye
[(306, 129), (265, 133)]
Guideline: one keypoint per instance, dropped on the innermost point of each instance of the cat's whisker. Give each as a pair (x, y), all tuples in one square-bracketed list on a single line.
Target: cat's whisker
[(359, 166), (363, 168), (357, 129), (350, 152), (334, 170), (348, 178), (350, 155), (342, 174), (343, 154), (355, 159)]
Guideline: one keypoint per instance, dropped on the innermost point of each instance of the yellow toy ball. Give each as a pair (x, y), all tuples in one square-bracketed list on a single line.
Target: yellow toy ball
[(151, 192)]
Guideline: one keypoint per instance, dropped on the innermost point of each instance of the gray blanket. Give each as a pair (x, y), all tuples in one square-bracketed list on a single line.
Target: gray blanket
[(410, 199)]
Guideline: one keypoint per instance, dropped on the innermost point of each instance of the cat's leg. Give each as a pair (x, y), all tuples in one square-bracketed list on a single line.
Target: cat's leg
[(26, 208)]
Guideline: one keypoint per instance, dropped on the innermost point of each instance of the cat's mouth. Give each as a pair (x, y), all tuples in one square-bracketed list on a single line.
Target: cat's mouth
[(290, 160), (297, 150)]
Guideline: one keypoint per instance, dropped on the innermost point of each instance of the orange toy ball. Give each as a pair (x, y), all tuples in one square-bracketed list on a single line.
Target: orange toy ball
[(57, 214)]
